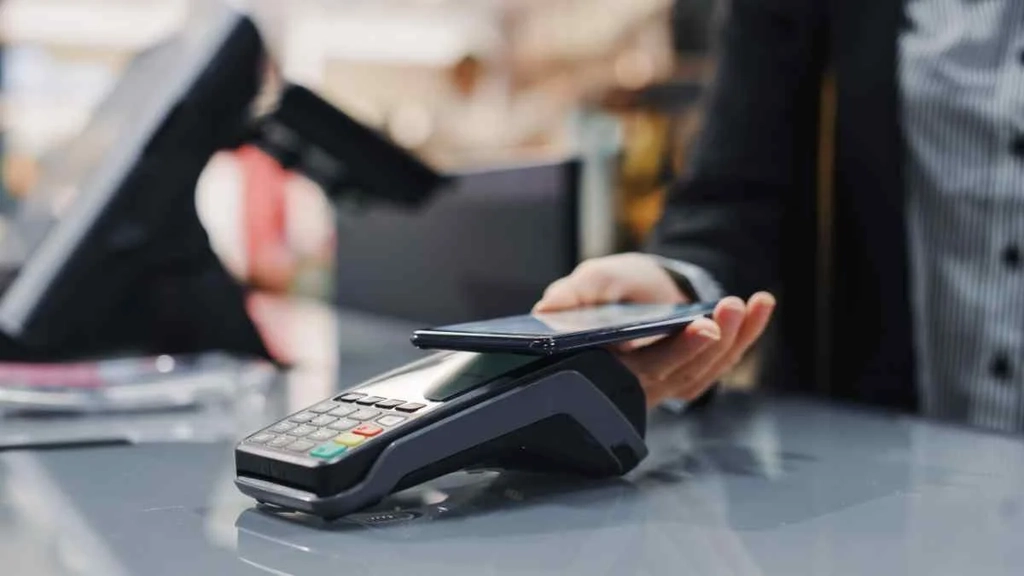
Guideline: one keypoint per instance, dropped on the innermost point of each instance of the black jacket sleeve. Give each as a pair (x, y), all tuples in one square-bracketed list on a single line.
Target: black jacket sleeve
[(756, 151)]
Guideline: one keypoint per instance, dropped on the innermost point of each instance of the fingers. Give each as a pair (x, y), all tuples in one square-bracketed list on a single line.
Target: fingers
[(686, 365), (681, 365), (683, 378), (560, 295), (630, 345), (656, 365), (597, 285), (759, 312), (590, 284), (729, 315), (661, 360), (610, 279)]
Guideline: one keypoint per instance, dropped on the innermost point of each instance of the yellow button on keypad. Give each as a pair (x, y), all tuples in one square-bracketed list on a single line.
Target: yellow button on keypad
[(350, 440)]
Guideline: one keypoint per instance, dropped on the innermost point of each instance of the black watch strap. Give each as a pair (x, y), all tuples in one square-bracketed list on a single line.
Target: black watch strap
[(692, 280)]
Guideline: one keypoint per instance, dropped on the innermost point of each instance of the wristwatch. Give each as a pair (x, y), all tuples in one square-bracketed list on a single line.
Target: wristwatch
[(693, 280)]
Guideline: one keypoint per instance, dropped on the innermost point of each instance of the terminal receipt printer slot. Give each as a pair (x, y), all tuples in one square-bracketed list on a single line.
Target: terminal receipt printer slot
[(581, 413)]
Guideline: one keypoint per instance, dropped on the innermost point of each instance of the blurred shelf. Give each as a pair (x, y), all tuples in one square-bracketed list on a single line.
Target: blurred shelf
[(97, 24), (33, 126)]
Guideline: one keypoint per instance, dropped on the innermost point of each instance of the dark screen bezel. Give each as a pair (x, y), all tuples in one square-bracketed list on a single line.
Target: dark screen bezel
[(39, 308)]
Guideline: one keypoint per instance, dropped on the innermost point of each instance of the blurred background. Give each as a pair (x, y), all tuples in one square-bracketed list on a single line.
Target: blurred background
[(561, 122), (468, 85)]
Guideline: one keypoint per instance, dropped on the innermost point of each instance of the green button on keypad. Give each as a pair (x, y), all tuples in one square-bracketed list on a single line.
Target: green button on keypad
[(327, 451)]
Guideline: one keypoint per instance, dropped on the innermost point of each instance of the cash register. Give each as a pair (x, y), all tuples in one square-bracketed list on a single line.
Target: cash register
[(582, 413)]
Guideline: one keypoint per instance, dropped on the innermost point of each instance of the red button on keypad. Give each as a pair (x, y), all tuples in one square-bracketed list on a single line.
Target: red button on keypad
[(368, 430)]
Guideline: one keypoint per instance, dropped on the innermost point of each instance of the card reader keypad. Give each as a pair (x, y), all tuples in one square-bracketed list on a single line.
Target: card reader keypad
[(364, 414), (390, 420), (322, 435), (321, 421), (342, 411), (282, 427), (303, 417), (370, 400), (300, 431), (332, 428), (343, 425), (324, 407)]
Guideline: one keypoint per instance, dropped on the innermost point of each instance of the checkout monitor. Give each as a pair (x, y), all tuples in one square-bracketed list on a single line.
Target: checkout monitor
[(486, 248), (76, 249)]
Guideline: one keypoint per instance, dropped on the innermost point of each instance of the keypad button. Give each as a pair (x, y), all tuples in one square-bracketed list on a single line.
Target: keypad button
[(365, 414), (350, 440), (368, 430), (282, 427), (322, 435), (324, 420), (344, 424), (280, 441), (262, 438), (324, 407), (410, 407), (370, 400), (301, 431), (390, 403), (350, 397), (391, 420), (328, 451), (342, 411), (301, 446), (303, 417)]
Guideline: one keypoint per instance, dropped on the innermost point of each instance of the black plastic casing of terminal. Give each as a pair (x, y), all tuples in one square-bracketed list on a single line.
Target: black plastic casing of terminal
[(582, 413)]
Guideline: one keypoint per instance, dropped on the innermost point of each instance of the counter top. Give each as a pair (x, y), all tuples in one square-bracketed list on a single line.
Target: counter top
[(750, 485)]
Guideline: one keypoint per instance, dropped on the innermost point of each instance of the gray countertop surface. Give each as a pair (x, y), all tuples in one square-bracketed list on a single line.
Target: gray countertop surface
[(752, 485)]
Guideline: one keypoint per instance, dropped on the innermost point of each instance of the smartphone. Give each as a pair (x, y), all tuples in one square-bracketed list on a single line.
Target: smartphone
[(556, 332)]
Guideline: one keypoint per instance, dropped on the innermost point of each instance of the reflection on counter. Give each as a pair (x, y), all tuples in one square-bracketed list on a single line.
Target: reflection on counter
[(753, 486), (201, 402)]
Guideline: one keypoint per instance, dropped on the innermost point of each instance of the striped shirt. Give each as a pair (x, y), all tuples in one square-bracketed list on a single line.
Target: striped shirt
[(961, 79)]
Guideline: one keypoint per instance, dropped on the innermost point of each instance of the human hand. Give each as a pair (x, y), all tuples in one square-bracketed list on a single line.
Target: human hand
[(683, 365)]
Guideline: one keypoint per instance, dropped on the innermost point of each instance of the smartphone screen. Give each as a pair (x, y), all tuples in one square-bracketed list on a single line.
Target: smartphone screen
[(564, 330)]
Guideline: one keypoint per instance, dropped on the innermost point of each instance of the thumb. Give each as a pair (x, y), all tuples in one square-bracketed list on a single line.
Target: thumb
[(560, 295), (584, 289)]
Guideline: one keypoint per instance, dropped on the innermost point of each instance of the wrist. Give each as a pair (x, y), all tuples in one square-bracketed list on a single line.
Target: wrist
[(693, 281)]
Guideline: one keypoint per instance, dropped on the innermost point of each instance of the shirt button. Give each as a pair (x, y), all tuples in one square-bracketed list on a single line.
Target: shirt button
[(1000, 367), (1017, 146), (1011, 256)]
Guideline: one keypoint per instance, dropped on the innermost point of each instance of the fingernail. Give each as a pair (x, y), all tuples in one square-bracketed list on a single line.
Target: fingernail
[(733, 302), (709, 334)]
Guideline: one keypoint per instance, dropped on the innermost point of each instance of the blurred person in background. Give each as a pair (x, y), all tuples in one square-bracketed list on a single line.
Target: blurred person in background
[(910, 224)]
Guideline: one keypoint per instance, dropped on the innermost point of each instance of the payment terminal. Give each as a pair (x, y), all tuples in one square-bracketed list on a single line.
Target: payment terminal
[(581, 412)]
